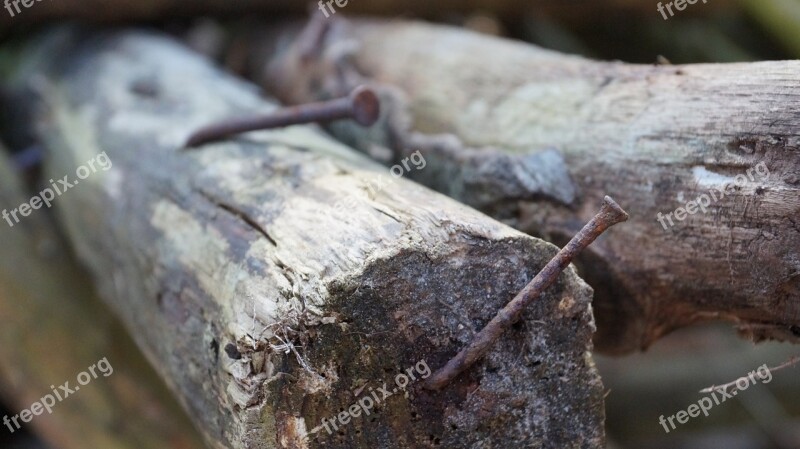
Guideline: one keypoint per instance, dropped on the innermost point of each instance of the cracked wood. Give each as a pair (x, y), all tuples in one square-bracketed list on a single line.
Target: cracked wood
[(653, 137), (239, 246)]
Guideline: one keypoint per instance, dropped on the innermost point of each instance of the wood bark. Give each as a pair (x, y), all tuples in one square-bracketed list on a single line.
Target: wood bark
[(277, 278), (53, 327), (536, 138)]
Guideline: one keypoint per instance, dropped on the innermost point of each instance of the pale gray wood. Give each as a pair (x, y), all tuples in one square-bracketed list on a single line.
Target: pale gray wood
[(53, 327), (215, 257), (536, 138)]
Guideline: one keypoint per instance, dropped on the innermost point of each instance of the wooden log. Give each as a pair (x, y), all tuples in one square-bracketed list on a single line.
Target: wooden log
[(277, 278), (653, 137), (53, 327)]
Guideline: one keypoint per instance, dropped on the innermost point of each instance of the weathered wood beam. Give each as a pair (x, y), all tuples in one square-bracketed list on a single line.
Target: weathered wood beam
[(277, 278), (53, 327), (536, 138)]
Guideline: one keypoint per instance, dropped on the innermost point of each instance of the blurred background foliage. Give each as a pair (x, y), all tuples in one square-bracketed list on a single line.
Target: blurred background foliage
[(717, 31)]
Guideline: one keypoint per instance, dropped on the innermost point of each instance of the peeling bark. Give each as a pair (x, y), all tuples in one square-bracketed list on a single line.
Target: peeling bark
[(265, 306), (536, 138)]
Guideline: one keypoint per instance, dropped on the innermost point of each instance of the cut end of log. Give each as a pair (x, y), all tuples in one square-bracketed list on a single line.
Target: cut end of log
[(286, 279), (735, 260), (405, 316)]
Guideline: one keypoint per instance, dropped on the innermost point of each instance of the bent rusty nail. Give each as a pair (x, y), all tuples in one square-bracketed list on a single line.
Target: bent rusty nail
[(610, 214)]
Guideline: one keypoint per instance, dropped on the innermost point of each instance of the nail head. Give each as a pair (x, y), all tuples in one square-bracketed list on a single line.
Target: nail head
[(366, 106)]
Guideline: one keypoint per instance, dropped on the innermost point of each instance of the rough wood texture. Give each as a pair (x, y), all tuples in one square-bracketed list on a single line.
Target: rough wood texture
[(536, 138), (217, 256), (53, 326)]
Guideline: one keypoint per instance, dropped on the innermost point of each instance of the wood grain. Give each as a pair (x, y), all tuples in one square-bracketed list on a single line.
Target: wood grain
[(216, 258), (536, 138)]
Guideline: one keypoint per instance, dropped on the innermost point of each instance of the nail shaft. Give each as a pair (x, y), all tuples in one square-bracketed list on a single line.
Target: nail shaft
[(313, 36), (610, 214), (361, 105)]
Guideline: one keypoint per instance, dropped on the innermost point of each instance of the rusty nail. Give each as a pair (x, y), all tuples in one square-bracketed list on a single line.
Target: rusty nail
[(610, 214), (362, 105), (311, 40)]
